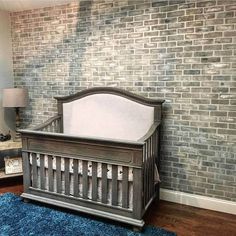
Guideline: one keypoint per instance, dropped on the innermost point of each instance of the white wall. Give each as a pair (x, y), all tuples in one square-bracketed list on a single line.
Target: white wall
[(6, 70)]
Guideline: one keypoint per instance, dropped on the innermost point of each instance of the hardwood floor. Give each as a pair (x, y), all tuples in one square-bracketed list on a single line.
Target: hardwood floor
[(12, 185), (191, 221), (181, 219)]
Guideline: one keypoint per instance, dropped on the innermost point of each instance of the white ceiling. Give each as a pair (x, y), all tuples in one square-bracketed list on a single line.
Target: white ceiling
[(20, 5)]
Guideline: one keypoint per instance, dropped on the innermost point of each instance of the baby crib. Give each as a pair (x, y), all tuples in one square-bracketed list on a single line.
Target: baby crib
[(98, 155)]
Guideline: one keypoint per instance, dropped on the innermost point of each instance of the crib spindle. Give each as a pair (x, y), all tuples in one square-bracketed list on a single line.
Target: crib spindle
[(85, 179), (144, 172), (27, 170), (34, 170), (149, 164), (125, 195), (137, 192), (153, 164), (50, 174), (114, 186), (149, 168), (158, 146), (42, 172), (55, 126), (67, 176), (104, 183), (94, 181), (147, 171), (58, 174), (76, 177), (157, 155)]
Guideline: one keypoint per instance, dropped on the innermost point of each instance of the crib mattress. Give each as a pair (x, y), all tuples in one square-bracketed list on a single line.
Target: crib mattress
[(99, 168), (80, 168)]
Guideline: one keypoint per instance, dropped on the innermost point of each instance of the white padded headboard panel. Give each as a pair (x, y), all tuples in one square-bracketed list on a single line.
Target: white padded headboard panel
[(107, 116)]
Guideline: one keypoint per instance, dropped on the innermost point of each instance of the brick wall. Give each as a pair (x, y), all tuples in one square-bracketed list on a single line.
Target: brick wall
[(179, 50)]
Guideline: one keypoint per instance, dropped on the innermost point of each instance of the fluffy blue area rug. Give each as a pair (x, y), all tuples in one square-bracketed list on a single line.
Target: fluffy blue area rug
[(23, 219)]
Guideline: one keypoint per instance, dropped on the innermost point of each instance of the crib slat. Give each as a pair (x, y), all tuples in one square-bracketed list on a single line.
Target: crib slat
[(104, 183), (147, 175), (114, 185), (42, 172), (76, 177), (144, 172), (58, 173), (27, 171), (94, 181), (158, 134), (154, 145), (55, 126), (67, 176), (149, 168), (138, 200), (125, 195), (157, 160), (34, 170), (50, 174), (85, 179), (153, 175), (153, 160), (153, 164)]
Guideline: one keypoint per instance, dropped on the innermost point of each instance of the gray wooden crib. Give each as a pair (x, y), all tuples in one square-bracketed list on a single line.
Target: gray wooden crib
[(98, 155)]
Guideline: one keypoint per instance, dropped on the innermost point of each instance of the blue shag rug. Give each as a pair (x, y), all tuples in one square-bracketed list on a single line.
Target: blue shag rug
[(23, 219)]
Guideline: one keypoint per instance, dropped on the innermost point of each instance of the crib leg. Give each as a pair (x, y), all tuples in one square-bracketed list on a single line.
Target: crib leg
[(137, 228), (25, 200)]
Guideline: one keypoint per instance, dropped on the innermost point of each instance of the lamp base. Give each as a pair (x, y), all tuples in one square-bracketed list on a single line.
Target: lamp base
[(17, 137)]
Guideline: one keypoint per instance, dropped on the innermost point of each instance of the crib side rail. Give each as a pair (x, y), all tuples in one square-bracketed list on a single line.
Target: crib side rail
[(51, 125), (151, 158)]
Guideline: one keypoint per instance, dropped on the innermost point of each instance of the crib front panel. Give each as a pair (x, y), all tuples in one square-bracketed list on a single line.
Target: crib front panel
[(104, 184)]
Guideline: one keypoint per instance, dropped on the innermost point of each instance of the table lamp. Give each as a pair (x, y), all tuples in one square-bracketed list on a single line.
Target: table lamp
[(15, 97)]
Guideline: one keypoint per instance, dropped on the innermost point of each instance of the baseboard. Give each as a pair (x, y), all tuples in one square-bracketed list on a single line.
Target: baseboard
[(198, 201)]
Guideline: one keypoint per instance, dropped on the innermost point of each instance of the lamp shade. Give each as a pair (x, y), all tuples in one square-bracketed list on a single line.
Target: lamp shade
[(15, 97)]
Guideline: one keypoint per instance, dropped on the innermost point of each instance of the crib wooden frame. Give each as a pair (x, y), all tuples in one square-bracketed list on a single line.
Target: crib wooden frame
[(142, 155)]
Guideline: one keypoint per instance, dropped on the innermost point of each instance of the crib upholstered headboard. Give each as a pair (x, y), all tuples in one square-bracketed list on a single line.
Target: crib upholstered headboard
[(108, 113)]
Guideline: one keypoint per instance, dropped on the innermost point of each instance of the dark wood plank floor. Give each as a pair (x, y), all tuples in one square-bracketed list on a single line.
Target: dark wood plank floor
[(12, 185), (181, 219), (191, 221)]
